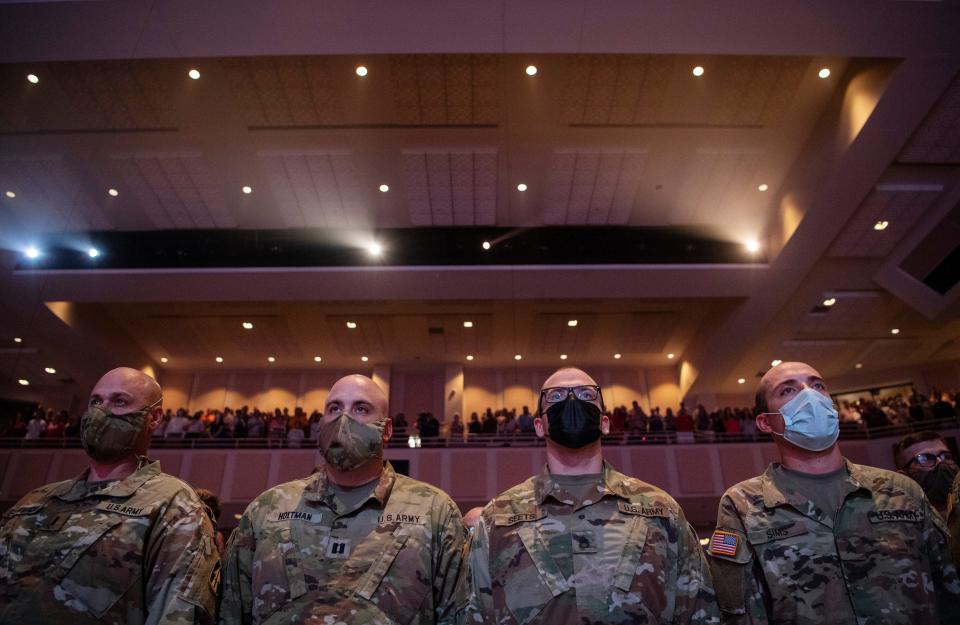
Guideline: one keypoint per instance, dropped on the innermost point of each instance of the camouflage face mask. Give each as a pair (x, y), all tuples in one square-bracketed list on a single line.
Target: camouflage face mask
[(107, 437), (348, 443)]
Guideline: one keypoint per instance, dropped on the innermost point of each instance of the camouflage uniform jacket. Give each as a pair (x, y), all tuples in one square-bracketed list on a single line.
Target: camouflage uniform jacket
[(140, 550), (777, 558), (627, 556), (300, 556), (953, 521)]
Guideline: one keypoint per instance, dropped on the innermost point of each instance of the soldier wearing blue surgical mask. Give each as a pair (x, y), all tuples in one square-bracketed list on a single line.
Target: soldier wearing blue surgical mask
[(819, 539)]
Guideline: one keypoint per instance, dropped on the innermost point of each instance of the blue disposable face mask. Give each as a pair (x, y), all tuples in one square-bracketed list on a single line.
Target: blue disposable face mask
[(810, 421)]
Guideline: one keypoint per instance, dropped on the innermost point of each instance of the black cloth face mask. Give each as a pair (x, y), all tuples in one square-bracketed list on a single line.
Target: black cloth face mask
[(936, 482), (573, 423)]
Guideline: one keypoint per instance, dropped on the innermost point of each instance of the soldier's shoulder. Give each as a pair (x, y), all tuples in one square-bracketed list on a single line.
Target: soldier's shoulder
[(888, 484), (416, 488), (41, 494), (518, 493), (281, 494), (746, 494), (638, 491)]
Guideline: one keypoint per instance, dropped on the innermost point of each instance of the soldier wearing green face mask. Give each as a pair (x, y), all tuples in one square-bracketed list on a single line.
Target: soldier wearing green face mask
[(819, 539), (120, 543), (355, 542)]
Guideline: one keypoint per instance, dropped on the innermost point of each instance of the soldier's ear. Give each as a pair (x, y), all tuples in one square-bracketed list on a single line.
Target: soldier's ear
[(539, 427), (156, 418), (388, 430), (604, 424)]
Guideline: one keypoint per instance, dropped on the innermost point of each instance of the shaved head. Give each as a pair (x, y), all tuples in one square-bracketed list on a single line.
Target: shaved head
[(141, 389), (568, 376), (356, 387)]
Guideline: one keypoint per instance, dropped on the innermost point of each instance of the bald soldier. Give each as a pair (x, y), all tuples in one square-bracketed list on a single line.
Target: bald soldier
[(120, 543), (819, 539), (581, 542), (353, 543)]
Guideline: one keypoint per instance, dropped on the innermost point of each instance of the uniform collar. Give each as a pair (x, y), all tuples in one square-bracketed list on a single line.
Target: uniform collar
[(319, 489), (77, 489), (773, 496), (610, 483)]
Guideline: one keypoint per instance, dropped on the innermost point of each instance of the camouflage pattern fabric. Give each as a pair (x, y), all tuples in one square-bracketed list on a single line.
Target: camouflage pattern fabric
[(627, 555), (141, 550), (953, 521), (300, 556), (884, 555)]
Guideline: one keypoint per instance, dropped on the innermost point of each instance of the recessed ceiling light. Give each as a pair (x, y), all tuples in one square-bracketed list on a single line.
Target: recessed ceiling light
[(11, 194), (753, 246), (113, 192), (741, 380), (33, 78), (247, 189), (194, 73), (775, 362), (895, 331), (247, 325), (572, 323), (271, 359), (351, 325), (521, 187), (618, 356), (517, 357), (859, 365), (384, 188), (24, 382), (563, 356), (364, 358), (830, 301), (671, 356), (469, 356), (50, 370), (486, 245), (881, 225), (468, 324), (17, 339), (317, 359), (361, 70), (164, 360), (32, 253), (824, 73), (531, 70), (375, 249), (93, 252), (698, 71), (763, 187), (219, 358)]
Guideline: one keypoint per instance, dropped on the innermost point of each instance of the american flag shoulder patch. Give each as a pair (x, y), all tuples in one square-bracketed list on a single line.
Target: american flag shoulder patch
[(724, 543)]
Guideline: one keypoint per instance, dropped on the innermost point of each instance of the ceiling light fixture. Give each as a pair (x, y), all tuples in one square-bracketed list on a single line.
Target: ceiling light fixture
[(881, 225), (671, 356), (164, 360), (33, 78), (618, 356), (468, 324), (113, 192), (384, 188), (247, 325), (317, 359), (763, 187), (824, 72), (859, 365), (361, 70), (375, 249), (219, 358), (17, 339), (830, 301), (698, 71), (271, 359), (521, 187), (563, 356), (469, 356), (24, 382), (775, 362), (93, 252), (895, 331), (351, 325), (517, 357), (50, 370), (486, 245), (32, 253), (572, 323), (364, 358), (11, 194), (741, 380), (247, 189), (531, 70), (753, 246), (194, 73)]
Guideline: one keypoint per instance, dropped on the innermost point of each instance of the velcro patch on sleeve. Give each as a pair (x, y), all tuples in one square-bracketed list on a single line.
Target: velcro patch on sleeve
[(724, 544), (644, 509)]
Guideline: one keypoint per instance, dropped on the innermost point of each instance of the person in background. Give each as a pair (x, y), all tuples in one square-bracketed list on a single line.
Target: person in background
[(925, 457)]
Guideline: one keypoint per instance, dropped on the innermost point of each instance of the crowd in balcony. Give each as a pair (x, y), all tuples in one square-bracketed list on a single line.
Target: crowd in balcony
[(297, 428)]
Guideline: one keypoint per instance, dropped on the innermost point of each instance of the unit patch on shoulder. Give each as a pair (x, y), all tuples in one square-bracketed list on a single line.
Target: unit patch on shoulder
[(724, 543)]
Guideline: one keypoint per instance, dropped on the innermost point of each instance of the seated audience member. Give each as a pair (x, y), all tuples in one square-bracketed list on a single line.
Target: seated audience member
[(509, 426), (400, 424), (684, 419), (295, 437), (431, 427), (525, 421), (255, 425), (37, 426), (489, 423), (316, 424), (456, 427), (475, 427), (925, 457)]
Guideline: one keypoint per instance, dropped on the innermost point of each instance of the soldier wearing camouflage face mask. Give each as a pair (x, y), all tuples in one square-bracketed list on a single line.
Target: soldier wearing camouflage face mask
[(355, 542), (581, 542), (819, 539), (122, 542)]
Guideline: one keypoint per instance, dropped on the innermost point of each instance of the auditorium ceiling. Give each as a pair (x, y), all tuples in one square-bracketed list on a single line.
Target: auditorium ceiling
[(709, 214)]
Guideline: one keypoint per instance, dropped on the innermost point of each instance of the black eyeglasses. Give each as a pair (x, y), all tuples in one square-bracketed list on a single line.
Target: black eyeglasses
[(928, 459), (585, 392)]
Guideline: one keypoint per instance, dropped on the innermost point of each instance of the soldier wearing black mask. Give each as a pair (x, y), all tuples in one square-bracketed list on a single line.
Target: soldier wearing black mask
[(925, 457)]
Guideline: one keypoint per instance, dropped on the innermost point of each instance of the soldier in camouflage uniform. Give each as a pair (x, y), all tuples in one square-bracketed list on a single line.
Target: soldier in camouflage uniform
[(122, 543), (353, 543), (819, 539), (953, 521), (580, 542)]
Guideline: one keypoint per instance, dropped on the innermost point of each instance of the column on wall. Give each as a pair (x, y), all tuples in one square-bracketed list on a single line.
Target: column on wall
[(381, 375)]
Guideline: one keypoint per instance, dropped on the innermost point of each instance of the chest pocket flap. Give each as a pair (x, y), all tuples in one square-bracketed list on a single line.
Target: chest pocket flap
[(632, 550), (370, 580), (550, 573)]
